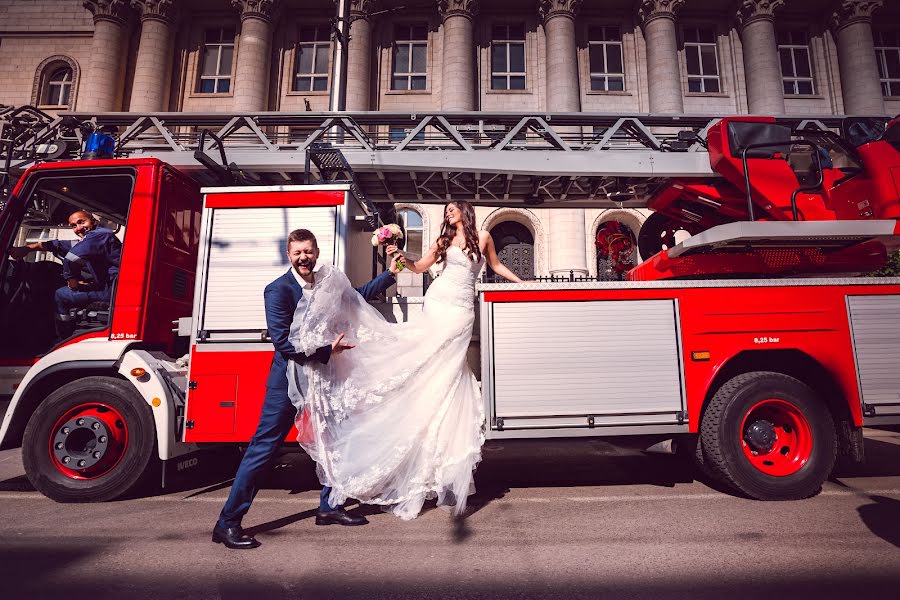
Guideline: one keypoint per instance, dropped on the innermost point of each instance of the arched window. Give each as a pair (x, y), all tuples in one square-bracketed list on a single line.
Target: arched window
[(411, 221), (55, 82), (515, 249), (616, 250), (412, 284), (58, 89)]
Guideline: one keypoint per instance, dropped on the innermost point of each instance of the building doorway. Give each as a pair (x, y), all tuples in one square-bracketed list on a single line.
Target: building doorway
[(515, 249)]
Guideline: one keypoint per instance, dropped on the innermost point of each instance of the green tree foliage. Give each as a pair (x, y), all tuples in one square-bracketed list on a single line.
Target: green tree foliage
[(891, 269)]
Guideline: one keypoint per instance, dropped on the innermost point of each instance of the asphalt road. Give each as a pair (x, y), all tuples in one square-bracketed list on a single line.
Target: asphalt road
[(551, 520)]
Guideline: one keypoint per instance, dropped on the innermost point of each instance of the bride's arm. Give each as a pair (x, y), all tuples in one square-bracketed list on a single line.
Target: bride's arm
[(421, 265), (490, 256)]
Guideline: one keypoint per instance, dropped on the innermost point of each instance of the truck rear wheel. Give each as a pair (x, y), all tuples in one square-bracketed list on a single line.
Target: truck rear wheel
[(767, 436), (89, 441)]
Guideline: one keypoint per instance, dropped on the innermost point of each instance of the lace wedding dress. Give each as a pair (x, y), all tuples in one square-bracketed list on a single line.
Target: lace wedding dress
[(398, 419)]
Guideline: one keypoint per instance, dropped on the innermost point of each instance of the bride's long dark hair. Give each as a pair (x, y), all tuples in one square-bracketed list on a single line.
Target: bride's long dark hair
[(470, 232)]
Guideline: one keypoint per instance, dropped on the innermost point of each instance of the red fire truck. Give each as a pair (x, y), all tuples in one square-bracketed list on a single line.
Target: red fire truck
[(765, 380)]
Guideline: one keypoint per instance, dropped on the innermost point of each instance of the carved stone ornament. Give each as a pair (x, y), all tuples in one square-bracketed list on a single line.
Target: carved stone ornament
[(156, 10), (848, 12), (363, 8), (117, 11), (548, 9), (651, 9), (257, 9), (750, 11), (457, 8)]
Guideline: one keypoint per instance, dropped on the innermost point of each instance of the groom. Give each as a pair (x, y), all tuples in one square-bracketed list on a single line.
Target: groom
[(281, 299)]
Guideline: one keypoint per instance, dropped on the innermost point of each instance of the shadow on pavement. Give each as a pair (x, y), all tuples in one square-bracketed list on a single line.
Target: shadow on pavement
[(39, 578), (16, 484), (882, 517)]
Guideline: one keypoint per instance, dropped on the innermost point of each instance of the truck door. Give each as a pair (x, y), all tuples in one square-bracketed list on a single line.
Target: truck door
[(38, 211), (242, 250)]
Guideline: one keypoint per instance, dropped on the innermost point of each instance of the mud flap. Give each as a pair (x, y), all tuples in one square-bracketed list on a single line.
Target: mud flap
[(203, 467)]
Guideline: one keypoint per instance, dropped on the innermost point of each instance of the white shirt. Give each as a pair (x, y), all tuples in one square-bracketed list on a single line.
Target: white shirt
[(306, 285)]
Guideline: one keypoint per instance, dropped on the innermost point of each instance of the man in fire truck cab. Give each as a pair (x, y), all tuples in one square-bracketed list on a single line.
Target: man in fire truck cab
[(90, 266)]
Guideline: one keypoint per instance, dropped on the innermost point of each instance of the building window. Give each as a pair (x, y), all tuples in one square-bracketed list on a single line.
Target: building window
[(605, 53), (508, 57), (311, 64), (796, 69), (702, 60), (397, 134), (58, 88), (410, 57), (216, 61), (887, 51), (411, 221)]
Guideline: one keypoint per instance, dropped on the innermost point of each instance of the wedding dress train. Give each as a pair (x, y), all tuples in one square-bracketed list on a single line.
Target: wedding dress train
[(398, 419)]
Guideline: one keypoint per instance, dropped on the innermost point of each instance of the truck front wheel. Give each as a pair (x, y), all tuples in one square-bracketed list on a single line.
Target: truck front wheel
[(89, 441), (767, 436)]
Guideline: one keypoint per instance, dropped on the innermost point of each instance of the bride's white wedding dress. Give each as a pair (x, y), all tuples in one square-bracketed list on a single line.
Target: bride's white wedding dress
[(398, 419)]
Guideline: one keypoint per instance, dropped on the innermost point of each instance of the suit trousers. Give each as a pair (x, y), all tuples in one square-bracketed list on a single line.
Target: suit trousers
[(274, 424)]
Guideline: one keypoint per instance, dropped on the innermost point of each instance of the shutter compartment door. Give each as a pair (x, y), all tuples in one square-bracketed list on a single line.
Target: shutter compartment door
[(875, 323), (246, 253), (558, 363)]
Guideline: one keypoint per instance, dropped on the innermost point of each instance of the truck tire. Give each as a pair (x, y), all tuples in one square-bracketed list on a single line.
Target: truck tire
[(89, 441), (766, 436)]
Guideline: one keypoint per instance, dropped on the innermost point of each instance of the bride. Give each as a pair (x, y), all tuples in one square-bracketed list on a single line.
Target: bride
[(399, 418)]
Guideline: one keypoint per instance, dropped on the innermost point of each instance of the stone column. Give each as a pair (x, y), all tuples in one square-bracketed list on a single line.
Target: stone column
[(566, 230), (153, 66), (459, 74), (102, 90), (765, 91), (860, 83), (663, 73), (563, 92), (359, 55), (254, 51)]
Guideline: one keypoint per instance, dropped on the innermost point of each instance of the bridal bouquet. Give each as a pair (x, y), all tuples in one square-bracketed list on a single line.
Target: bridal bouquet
[(387, 235)]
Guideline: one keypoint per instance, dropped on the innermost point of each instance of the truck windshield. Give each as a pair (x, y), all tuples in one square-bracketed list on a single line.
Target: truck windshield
[(38, 305)]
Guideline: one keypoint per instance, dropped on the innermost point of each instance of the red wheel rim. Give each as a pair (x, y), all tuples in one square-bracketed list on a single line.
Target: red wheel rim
[(776, 437), (88, 441)]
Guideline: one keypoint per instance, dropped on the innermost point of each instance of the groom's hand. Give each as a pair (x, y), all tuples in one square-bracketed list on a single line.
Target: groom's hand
[(337, 346)]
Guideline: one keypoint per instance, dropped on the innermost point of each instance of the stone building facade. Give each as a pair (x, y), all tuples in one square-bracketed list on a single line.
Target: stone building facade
[(809, 57)]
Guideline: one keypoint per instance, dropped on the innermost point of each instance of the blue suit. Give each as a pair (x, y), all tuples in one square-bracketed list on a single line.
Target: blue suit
[(277, 418), (95, 257)]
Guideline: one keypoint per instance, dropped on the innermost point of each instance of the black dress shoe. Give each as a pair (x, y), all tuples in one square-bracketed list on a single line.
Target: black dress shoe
[(339, 516), (234, 538)]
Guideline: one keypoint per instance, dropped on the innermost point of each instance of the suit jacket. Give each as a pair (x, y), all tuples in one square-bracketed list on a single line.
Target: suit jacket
[(281, 298)]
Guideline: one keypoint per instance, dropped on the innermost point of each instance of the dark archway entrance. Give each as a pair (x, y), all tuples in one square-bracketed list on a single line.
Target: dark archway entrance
[(515, 249)]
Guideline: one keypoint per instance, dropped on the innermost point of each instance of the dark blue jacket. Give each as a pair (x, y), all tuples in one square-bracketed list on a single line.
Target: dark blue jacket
[(98, 253), (281, 298)]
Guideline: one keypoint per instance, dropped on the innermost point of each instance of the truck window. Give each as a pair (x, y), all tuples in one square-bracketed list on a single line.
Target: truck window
[(29, 303)]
